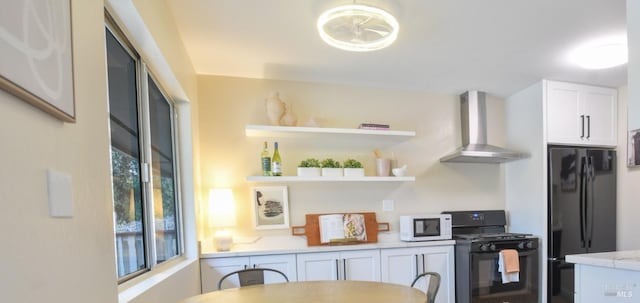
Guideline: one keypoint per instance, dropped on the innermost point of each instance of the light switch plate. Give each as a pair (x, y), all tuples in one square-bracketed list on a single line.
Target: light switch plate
[(388, 205), (60, 194)]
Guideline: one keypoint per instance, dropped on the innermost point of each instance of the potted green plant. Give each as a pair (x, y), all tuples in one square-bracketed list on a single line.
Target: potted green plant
[(309, 168), (353, 168), (331, 168)]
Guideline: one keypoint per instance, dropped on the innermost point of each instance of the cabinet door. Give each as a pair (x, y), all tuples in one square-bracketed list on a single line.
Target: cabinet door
[(564, 120), (402, 265), (283, 263), (211, 270), (600, 107), (399, 265), (581, 114), (318, 266), (361, 265), (439, 259)]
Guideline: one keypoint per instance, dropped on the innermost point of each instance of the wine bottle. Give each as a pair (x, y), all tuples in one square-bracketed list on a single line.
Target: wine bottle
[(276, 163), (266, 161)]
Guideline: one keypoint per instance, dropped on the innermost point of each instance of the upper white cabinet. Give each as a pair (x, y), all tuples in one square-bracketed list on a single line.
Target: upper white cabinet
[(581, 114), (212, 270), (361, 265), (402, 265)]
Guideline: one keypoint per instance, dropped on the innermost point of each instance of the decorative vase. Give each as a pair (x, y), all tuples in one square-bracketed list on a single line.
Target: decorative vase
[(289, 119), (275, 108)]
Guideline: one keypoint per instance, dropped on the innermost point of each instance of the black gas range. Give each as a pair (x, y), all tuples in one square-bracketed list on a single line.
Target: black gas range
[(480, 236)]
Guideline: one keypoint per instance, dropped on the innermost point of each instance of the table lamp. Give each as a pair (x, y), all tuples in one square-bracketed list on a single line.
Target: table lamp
[(221, 215)]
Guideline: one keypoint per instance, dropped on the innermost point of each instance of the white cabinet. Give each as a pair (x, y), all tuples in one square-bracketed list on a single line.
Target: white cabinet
[(211, 270), (362, 265), (581, 114), (402, 265)]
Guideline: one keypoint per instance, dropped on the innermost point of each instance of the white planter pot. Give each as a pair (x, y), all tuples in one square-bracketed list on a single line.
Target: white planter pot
[(331, 172), (309, 171), (354, 172)]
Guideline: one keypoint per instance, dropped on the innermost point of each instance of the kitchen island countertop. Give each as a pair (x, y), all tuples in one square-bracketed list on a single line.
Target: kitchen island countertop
[(628, 260)]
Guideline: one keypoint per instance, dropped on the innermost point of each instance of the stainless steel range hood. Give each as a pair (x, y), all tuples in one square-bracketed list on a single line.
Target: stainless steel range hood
[(474, 148)]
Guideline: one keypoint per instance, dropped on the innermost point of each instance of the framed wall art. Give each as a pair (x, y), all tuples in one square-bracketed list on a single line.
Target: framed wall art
[(271, 207), (36, 60), (633, 153)]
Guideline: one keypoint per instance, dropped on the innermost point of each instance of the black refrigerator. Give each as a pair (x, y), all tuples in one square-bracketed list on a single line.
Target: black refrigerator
[(581, 211)]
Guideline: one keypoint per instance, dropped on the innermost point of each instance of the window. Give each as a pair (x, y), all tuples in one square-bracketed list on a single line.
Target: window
[(143, 163)]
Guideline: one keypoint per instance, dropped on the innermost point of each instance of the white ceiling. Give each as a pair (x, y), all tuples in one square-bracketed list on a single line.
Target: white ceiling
[(444, 46)]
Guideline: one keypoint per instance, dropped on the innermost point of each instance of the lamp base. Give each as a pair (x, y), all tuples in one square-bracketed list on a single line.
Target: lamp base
[(223, 240)]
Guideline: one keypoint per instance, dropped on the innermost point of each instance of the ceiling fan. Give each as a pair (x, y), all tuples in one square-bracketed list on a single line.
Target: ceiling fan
[(358, 27)]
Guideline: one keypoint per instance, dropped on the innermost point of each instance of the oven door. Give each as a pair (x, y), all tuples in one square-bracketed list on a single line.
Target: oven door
[(486, 281)]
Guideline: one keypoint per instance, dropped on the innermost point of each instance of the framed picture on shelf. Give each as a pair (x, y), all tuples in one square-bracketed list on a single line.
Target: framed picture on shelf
[(270, 207), (37, 61)]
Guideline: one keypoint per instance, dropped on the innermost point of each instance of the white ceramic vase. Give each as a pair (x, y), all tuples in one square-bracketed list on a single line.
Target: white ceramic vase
[(289, 119), (275, 108)]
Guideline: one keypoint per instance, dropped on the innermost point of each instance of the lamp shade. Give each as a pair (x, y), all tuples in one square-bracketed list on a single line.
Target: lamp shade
[(222, 212)]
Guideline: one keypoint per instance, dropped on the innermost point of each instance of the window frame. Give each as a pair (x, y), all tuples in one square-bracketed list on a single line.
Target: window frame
[(143, 73)]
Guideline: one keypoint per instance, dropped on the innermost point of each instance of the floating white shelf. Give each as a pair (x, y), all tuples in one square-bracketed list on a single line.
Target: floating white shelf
[(278, 131), (329, 179)]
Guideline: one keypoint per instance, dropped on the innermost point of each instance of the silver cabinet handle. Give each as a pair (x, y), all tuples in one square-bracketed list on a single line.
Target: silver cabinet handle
[(417, 270), (337, 269), (588, 126), (582, 119)]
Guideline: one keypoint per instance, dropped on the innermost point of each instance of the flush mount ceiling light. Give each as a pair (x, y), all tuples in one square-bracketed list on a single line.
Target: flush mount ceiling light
[(601, 53), (358, 28)]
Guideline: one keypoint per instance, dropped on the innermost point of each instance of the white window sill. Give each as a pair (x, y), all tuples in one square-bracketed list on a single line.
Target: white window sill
[(135, 287)]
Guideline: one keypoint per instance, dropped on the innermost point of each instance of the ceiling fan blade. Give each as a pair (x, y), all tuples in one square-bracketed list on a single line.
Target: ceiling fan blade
[(380, 32)]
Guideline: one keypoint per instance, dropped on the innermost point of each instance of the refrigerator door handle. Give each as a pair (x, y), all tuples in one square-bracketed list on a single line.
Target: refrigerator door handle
[(589, 193), (582, 199)]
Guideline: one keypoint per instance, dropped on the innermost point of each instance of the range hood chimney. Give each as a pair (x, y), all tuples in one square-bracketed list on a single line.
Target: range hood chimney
[(474, 148)]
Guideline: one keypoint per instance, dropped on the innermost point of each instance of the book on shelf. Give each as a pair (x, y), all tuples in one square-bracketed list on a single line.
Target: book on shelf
[(337, 228), (373, 126)]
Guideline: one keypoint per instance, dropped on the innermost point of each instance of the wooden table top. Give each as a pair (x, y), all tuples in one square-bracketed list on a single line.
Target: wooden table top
[(315, 292)]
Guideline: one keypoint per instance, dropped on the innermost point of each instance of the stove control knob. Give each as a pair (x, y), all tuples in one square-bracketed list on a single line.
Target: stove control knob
[(484, 247), (529, 244), (492, 247), (521, 245)]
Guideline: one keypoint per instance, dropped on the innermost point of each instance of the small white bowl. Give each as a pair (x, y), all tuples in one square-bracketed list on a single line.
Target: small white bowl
[(399, 172)]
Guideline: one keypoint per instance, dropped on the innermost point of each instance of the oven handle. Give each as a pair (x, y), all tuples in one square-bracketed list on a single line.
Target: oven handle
[(521, 253)]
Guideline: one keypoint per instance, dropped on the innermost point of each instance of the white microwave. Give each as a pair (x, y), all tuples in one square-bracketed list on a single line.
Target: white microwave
[(425, 227)]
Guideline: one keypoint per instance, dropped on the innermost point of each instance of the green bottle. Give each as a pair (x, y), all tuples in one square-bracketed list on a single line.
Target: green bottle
[(276, 163), (266, 161)]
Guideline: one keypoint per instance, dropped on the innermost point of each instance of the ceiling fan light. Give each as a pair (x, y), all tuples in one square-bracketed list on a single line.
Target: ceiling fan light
[(357, 27)]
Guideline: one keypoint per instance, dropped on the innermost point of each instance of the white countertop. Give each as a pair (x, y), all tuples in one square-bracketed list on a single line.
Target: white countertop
[(629, 260), (273, 245)]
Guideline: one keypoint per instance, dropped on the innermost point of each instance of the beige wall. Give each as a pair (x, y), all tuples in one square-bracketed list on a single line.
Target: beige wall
[(628, 180), (228, 104), (53, 259), (72, 259)]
